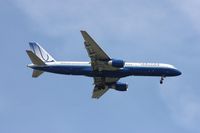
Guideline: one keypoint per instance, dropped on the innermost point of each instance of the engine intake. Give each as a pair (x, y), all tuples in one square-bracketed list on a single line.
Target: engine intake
[(116, 63), (120, 87)]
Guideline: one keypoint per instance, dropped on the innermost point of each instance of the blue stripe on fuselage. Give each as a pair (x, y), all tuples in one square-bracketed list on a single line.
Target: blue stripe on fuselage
[(126, 71)]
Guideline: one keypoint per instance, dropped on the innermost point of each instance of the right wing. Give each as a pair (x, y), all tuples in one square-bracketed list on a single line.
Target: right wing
[(93, 49), (99, 59)]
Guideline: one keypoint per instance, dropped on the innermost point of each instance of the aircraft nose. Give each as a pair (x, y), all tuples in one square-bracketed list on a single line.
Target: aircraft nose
[(178, 72)]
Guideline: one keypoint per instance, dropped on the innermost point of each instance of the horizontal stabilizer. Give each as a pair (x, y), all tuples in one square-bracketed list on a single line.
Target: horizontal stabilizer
[(35, 60), (36, 73)]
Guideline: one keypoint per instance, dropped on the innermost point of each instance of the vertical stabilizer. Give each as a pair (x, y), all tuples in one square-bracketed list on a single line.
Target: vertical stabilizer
[(40, 52), (34, 58)]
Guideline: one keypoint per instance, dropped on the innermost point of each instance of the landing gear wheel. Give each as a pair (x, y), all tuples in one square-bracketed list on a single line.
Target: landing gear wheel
[(161, 80)]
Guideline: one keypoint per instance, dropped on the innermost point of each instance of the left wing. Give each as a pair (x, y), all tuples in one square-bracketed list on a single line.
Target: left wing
[(98, 91), (102, 86)]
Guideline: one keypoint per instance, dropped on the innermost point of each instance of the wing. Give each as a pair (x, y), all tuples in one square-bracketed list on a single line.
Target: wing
[(93, 49), (99, 62), (99, 91), (99, 59), (101, 86)]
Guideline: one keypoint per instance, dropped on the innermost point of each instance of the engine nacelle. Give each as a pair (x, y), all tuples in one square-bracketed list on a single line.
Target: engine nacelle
[(120, 87), (116, 63)]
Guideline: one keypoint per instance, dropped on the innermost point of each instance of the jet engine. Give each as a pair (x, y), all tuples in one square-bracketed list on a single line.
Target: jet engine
[(116, 63), (120, 87)]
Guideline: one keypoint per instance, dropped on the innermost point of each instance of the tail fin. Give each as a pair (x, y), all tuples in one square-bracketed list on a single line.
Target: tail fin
[(40, 52), (34, 58), (38, 56)]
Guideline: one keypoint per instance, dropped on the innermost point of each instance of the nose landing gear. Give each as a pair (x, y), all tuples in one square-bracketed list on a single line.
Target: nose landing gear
[(161, 80)]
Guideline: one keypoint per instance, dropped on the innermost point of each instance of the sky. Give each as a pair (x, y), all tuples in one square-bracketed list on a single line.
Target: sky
[(164, 31)]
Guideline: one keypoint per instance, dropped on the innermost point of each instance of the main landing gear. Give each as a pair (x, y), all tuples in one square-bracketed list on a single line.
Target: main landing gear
[(161, 80)]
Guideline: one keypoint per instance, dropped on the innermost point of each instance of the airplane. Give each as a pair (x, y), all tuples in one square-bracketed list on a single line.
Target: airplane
[(105, 71)]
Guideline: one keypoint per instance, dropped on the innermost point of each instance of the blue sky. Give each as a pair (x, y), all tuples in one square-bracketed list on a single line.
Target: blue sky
[(134, 30)]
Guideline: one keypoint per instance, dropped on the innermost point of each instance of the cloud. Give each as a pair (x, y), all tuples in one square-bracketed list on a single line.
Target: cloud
[(161, 26), (183, 102), (127, 18), (183, 98), (191, 8), (150, 26)]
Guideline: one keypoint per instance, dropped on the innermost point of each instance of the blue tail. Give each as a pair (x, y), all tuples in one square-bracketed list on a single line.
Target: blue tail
[(41, 53)]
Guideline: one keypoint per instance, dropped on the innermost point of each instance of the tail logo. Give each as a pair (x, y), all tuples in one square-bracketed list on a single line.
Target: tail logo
[(41, 53)]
